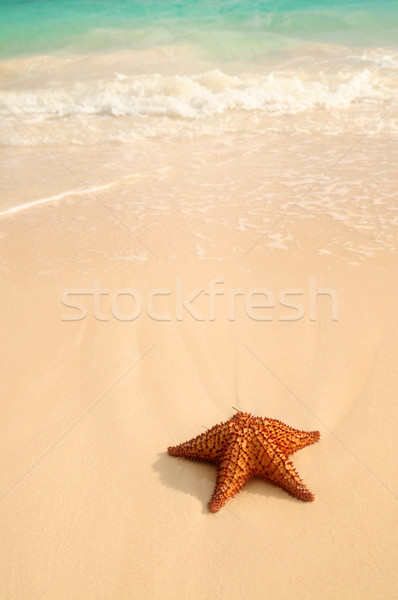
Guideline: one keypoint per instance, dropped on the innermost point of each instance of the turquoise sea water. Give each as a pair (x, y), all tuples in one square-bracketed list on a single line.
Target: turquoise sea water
[(122, 70), (220, 28)]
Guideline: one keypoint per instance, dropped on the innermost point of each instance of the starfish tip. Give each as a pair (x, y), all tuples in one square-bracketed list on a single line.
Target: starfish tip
[(215, 505)]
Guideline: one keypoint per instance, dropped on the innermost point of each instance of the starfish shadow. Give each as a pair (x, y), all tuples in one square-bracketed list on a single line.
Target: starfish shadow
[(198, 480), (194, 478)]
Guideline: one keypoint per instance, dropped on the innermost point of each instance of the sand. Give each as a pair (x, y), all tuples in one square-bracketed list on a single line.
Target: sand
[(91, 504)]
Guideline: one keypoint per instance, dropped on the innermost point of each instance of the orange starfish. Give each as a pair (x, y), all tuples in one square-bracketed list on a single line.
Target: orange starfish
[(246, 447)]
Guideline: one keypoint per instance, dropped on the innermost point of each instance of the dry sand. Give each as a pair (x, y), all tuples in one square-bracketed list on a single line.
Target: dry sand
[(92, 507)]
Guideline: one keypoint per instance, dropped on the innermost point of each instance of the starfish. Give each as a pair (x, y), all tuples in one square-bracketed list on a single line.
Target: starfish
[(246, 447)]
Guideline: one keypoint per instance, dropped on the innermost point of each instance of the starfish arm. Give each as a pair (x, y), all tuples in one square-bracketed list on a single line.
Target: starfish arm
[(207, 446), (283, 474), (288, 439), (233, 473)]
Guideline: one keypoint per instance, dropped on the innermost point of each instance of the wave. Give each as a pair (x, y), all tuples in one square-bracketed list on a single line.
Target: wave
[(198, 96), (118, 106)]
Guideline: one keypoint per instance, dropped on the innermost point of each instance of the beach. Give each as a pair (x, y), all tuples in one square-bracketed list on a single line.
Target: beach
[(186, 232)]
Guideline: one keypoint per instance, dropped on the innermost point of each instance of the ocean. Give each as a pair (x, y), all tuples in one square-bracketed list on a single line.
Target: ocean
[(221, 29), (123, 70)]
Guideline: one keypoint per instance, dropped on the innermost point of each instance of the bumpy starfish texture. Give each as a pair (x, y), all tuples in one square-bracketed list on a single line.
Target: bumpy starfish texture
[(245, 447)]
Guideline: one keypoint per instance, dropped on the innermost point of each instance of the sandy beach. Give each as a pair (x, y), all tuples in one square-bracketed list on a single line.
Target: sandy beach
[(92, 505)]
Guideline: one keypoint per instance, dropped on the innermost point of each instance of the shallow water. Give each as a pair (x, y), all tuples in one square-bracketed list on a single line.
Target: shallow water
[(283, 91)]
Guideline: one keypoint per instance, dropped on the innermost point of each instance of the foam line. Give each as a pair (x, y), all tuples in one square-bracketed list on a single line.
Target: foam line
[(21, 207)]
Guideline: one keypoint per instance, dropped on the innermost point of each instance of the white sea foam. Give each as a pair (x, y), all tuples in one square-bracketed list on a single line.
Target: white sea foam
[(198, 96), (126, 107), (85, 190)]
